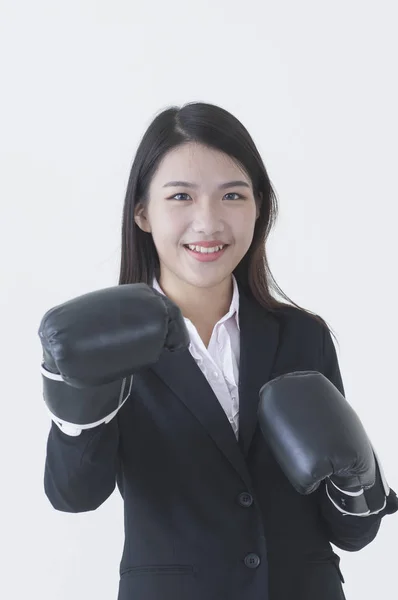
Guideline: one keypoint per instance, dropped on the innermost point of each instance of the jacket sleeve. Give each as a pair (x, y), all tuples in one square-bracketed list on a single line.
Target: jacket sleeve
[(347, 532), (80, 471)]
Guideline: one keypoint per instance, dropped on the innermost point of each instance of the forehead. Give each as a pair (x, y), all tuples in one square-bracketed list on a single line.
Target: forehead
[(193, 161)]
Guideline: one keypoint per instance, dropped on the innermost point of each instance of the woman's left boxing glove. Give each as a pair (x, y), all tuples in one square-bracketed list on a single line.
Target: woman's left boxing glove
[(315, 435)]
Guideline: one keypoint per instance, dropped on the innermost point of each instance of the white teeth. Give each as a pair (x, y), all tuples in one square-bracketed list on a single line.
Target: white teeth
[(205, 250)]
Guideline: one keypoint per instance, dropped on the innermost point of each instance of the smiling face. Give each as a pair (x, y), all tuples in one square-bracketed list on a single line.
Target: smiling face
[(206, 208)]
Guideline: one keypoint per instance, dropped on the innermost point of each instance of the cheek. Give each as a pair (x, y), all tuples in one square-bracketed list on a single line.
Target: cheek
[(167, 230), (244, 226)]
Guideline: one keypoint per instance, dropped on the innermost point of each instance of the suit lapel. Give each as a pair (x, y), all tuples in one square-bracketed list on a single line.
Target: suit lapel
[(259, 335), (259, 338)]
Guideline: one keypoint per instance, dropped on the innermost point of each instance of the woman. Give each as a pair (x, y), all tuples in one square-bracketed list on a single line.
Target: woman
[(154, 385)]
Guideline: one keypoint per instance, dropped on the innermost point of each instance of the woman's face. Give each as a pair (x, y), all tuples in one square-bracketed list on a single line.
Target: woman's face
[(178, 214)]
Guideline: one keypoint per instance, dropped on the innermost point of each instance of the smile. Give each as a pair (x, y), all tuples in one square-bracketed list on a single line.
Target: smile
[(206, 254)]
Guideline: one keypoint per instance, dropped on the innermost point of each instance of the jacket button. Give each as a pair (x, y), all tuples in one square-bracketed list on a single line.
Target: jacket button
[(252, 561), (245, 499)]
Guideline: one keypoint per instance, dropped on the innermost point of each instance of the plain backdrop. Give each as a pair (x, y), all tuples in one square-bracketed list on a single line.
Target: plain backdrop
[(315, 84)]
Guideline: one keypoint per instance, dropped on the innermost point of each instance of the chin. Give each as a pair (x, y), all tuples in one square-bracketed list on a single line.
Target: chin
[(206, 281)]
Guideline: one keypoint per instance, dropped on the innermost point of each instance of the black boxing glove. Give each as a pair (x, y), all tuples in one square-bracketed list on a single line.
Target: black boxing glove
[(93, 344), (316, 436)]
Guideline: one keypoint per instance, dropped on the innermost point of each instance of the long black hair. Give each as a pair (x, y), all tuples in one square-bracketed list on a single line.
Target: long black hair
[(216, 128)]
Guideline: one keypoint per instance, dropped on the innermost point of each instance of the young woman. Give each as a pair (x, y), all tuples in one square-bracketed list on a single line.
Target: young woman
[(163, 385)]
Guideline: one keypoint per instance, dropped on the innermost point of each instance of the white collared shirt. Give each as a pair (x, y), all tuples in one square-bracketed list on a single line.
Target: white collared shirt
[(220, 361)]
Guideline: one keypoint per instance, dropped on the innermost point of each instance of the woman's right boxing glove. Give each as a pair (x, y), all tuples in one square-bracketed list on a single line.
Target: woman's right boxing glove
[(93, 344)]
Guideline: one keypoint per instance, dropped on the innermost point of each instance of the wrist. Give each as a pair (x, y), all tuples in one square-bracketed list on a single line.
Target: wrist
[(76, 409), (360, 503)]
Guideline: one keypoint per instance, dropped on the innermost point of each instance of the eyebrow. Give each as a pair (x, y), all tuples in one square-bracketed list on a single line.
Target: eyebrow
[(194, 185)]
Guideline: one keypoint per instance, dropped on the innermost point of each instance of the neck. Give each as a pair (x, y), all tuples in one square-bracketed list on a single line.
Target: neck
[(201, 305)]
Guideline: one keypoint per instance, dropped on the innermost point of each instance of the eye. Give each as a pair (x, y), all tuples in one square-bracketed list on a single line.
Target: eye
[(234, 194), (175, 196)]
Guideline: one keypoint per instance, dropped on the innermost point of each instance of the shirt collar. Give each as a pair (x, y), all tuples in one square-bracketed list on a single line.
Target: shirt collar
[(234, 306)]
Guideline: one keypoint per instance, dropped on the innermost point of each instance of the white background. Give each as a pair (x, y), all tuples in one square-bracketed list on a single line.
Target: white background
[(315, 83)]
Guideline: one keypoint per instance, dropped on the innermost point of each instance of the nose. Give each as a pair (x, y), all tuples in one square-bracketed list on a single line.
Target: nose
[(207, 218)]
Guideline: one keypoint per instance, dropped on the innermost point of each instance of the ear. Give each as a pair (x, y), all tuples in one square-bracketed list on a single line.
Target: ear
[(141, 218)]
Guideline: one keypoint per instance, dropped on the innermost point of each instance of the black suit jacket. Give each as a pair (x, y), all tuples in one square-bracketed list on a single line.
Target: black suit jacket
[(208, 517)]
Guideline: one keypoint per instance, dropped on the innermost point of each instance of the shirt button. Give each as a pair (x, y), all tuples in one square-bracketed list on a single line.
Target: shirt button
[(215, 373), (252, 561), (245, 499)]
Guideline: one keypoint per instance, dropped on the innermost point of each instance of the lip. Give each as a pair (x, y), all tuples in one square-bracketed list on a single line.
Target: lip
[(206, 257), (207, 244)]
